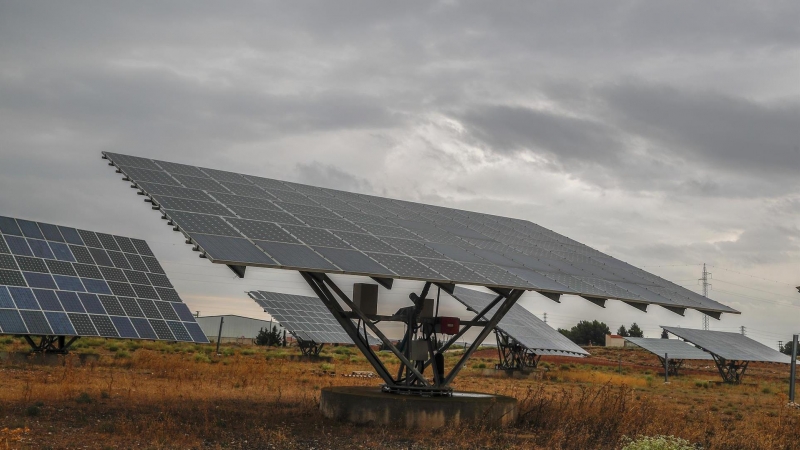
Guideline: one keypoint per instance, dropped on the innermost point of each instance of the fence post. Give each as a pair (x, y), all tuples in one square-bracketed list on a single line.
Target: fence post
[(219, 335), (666, 368), (793, 370)]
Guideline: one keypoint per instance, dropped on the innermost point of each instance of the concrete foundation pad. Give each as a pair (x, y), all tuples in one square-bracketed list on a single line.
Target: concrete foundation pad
[(369, 405)]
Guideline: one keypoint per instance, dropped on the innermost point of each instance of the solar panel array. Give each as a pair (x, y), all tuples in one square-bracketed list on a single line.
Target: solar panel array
[(520, 324), (673, 348), (730, 346), (307, 318), (247, 220), (59, 281)]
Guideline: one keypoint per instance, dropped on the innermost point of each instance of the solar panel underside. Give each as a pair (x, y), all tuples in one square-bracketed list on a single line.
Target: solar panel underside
[(730, 346), (673, 348), (520, 324), (247, 220), (60, 281), (306, 318)]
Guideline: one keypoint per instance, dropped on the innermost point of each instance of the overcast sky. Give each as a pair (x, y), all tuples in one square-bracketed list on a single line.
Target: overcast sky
[(666, 134)]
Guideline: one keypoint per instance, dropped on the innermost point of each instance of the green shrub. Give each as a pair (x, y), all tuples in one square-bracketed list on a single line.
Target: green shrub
[(201, 358), (326, 367), (84, 397), (122, 354), (565, 367), (33, 411), (766, 390), (657, 443), (248, 352)]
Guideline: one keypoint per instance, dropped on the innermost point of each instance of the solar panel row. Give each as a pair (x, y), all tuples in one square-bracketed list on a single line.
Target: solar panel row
[(527, 329), (673, 348), (307, 318), (247, 220), (57, 280), (730, 346)]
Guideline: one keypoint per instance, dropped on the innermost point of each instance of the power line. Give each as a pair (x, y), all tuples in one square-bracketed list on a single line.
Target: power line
[(759, 290), (753, 276)]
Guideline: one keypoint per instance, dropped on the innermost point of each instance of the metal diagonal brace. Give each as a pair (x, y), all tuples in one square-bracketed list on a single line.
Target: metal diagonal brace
[(339, 314), (327, 281), (466, 328), (512, 298)]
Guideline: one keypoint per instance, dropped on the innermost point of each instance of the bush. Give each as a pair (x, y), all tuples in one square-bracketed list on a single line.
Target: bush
[(84, 398), (33, 411), (657, 443), (201, 358)]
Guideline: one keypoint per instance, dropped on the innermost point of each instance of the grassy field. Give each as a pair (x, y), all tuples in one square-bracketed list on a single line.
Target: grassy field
[(156, 395)]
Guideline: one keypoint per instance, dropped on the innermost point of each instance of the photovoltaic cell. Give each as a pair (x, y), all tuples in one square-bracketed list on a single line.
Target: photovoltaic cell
[(466, 246), (45, 290), (306, 318)]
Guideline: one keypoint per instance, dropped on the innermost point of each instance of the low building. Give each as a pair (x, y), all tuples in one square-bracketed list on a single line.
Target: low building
[(615, 340), (234, 328)]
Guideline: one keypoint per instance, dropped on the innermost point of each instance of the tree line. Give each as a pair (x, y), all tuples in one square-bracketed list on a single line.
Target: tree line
[(594, 332)]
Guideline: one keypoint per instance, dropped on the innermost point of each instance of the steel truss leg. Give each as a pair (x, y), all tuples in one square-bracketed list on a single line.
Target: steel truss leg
[(673, 364), (50, 344), (410, 378), (731, 371), (309, 348)]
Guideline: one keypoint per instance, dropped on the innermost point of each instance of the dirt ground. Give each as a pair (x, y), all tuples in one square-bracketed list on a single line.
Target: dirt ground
[(155, 395)]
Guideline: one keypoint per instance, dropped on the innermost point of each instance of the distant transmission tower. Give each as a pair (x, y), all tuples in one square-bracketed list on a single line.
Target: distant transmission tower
[(545, 317), (706, 286), (743, 330)]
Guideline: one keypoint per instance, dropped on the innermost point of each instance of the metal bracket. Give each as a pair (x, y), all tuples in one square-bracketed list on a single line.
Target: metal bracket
[(238, 270), (51, 344), (385, 282), (601, 302), (552, 296)]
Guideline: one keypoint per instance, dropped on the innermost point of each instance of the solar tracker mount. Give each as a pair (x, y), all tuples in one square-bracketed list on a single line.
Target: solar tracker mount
[(242, 220), (675, 351), (732, 352)]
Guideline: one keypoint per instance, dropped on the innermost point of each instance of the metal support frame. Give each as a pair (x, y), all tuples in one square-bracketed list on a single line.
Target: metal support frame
[(514, 356), (50, 344), (673, 365), (731, 371), (410, 378), (309, 348)]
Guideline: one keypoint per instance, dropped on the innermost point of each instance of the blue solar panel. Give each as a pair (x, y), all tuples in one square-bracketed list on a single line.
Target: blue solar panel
[(5, 298), (60, 323), (124, 327), (143, 328), (40, 249), (11, 322), (18, 246), (30, 229), (70, 301), (62, 252), (67, 281), (24, 298), (92, 304), (39, 280), (48, 300)]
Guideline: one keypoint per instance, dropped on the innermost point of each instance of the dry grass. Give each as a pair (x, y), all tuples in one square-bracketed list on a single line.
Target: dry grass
[(155, 395)]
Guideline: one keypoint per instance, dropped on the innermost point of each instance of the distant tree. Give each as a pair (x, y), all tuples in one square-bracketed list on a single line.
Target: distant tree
[(622, 331), (787, 348), (635, 331), (271, 338), (586, 333), (664, 334)]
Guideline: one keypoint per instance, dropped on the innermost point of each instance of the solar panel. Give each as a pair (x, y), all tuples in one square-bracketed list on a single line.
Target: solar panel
[(307, 318), (673, 348), (521, 325), (48, 292), (730, 346), (461, 247)]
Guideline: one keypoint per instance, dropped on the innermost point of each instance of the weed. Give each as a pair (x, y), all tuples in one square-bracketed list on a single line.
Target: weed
[(33, 411), (84, 398)]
